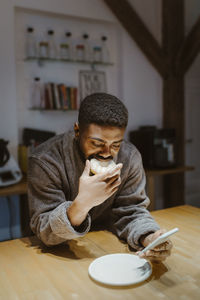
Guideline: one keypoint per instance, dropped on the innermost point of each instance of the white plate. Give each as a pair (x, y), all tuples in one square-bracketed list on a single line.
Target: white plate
[(120, 269)]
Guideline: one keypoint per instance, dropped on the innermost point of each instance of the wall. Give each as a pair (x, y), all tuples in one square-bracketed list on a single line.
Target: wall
[(8, 111), (138, 84), (9, 124), (133, 70)]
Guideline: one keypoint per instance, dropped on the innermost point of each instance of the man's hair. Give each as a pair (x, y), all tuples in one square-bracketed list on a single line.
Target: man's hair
[(104, 110)]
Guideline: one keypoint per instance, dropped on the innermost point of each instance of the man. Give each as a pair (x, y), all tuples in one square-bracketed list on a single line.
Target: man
[(66, 201)]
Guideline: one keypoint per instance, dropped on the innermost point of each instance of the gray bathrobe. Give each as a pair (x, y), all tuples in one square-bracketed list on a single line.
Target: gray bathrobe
[(53, 178)]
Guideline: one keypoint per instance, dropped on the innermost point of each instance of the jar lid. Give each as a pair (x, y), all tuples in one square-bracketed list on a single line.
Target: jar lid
[(104, 38), (50, 32), (30, 29), (68, 33), (86, 36)]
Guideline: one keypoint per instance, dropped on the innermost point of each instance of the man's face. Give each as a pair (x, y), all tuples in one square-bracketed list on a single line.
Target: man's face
[(100, 142)]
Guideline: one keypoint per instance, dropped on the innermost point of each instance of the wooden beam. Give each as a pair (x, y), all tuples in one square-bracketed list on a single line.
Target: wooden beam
[(138, 31), (173, 112), (173, 95), (189, 50), (173, 87), (172, 30)]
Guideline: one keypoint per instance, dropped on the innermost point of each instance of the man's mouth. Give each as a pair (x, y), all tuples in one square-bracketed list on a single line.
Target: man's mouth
[(98, 157)]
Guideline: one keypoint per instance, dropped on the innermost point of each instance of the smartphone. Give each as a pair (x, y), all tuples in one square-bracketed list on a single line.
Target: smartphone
[(161, 239)]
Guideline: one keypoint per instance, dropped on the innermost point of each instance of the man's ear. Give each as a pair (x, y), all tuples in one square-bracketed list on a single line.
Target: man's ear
[(76, 129)]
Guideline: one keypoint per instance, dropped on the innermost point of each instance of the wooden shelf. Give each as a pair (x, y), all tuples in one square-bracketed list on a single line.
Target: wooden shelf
[(41, 59), (52, 109)]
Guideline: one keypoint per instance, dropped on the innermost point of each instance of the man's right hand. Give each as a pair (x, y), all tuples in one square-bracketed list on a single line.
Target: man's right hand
[(93, 190)]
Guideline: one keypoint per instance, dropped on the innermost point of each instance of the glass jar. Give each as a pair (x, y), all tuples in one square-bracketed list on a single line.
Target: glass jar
[(87, 47), (66, 48), (105, 50), (69, 42), (97, 54), (43, 49), (64, 51), (52, 48), (31, 49), (37, 94), (80, 52)]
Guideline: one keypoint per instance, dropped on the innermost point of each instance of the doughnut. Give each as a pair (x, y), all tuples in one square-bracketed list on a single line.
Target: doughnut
[(99, 166)]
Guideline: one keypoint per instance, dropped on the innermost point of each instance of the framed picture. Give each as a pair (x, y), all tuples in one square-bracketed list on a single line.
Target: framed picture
[(91, 82)]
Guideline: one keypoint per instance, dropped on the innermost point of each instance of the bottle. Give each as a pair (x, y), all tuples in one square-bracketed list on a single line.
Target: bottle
[(31, 50), (64, 51), (97, 54), (80, 52), (37, 94), (70, 44), (52, 49), (87, 48), (66, 48), (43, 49), (105, 50)]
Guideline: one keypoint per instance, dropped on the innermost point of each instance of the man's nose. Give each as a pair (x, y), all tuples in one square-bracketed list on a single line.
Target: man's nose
[(106, 151)]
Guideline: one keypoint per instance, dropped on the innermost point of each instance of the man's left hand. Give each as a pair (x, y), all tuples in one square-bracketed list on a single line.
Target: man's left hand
[(160, 252)]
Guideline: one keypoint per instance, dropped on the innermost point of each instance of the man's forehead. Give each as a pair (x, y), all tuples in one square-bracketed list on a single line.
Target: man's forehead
[(94, 131)]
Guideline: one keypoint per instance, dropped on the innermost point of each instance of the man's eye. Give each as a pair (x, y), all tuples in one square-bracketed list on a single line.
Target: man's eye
[(116, 146), (97, 145)]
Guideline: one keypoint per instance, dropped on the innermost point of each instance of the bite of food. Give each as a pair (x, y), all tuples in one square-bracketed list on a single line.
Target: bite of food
[(99, 166)]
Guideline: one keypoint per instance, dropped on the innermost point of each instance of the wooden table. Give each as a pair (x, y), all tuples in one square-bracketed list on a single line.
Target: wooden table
[(31, 271)]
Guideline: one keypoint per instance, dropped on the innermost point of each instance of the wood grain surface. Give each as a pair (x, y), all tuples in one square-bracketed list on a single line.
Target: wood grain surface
[(29, 270)]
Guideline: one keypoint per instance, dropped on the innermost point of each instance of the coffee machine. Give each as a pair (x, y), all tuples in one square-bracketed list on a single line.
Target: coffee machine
[(157, 146), (10, 172)]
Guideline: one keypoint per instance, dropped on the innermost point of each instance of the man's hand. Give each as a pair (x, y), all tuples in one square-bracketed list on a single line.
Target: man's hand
[(160, 252), (93, 190)]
